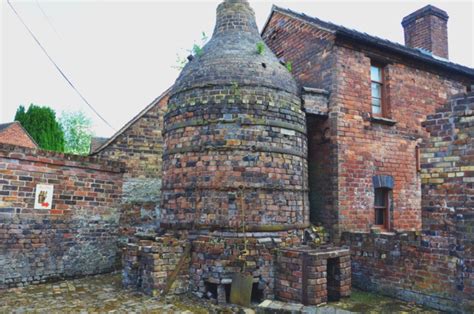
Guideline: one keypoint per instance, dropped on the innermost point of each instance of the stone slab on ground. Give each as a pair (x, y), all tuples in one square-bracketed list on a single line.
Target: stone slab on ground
[(278, 307)]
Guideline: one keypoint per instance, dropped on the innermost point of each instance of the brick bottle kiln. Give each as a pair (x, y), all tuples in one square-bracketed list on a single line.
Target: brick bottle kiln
[(234, 176)]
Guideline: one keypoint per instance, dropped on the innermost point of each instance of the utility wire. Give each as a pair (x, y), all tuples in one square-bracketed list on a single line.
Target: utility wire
[(47, 18), (58, 68)]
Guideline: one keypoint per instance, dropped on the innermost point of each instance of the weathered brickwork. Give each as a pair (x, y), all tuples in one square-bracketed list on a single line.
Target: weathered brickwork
[(312, 277), (427, 28), (234, 162), (217, 257), (14, 134), (310, 50), (350, 153), (447, 167), (356, 147), (157, 266), (78, 236), (448, 183), (235, 134), (139, 145), (255, 140), (435, 267), (367, 148), (425, 269)]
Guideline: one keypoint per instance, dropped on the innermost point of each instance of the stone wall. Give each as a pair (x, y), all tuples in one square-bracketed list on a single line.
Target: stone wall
[(77, 236)]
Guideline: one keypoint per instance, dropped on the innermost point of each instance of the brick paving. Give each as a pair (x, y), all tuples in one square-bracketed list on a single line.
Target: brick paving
[(97, 294)]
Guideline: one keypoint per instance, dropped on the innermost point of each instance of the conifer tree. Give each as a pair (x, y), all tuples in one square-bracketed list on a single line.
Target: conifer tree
[(41, 124)]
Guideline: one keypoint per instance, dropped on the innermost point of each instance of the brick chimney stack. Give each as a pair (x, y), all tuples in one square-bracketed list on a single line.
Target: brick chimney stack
[(427, 28)]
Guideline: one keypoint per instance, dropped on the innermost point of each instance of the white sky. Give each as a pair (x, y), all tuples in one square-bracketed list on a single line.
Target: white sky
[(120, 54)]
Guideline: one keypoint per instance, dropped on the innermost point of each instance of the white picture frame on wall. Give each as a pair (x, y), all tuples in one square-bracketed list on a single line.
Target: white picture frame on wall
[(44, 196)]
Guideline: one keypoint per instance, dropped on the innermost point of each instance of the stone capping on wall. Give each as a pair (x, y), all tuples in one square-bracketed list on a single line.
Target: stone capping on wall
[(427, 10), (60, 159), (315, 101)]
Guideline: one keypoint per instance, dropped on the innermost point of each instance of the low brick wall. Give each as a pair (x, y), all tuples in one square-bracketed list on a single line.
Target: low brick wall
[(216, 257), (312, 276), (157, 266), (77, 236), (420, 268)]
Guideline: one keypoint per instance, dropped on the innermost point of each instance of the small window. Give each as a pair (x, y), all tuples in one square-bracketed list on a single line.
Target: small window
[(417, 159), (377, 86), (381, 205)]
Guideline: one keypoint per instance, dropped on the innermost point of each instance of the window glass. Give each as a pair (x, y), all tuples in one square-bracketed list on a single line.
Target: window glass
[(376, 73), (376, 105), (376, 90), (380, 216), (380, 197)]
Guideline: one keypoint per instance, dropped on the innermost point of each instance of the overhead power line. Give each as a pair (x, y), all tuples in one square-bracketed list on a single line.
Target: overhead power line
[(58, 68), (48, 20)]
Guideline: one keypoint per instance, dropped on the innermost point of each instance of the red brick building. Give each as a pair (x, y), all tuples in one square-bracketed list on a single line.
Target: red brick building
[(363, 148), (14, 134)]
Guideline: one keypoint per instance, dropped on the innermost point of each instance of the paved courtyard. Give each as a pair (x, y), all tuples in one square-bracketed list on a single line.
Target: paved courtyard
[(104, 294), (97, 294)]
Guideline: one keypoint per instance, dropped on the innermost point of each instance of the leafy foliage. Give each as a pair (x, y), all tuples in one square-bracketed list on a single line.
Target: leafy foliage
[(196, 51), (41, 124), (77, 132), (260, 48)]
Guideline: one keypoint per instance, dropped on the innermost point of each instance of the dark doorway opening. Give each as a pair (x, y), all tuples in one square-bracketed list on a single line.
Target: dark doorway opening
[(211, 290), (257, 293), (320, 172), (333, 279)]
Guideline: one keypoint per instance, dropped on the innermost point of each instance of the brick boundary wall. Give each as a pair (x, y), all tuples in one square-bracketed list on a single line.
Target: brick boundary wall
[(433, 267), (77, 236)]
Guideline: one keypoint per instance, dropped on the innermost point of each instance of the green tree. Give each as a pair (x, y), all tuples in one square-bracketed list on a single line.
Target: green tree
[(77, 132), (41, 124)]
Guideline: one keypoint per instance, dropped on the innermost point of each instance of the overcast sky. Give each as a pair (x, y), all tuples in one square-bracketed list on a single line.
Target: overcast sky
[(121, 54)]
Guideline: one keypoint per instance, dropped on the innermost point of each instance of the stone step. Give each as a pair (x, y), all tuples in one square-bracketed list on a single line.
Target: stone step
[(279, 307)]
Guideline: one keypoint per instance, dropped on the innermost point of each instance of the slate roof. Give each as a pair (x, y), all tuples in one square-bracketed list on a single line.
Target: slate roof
[(338, 30), (4, 126)]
